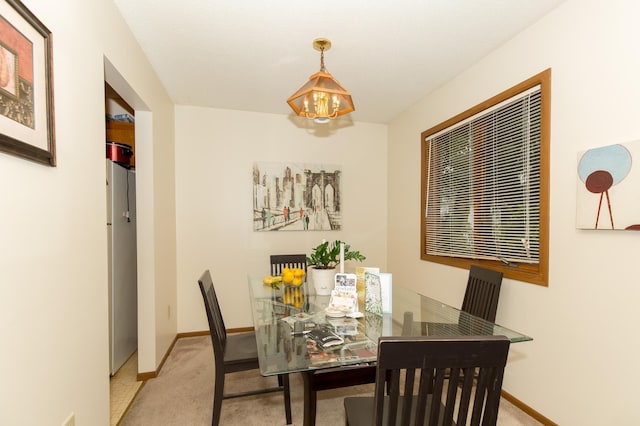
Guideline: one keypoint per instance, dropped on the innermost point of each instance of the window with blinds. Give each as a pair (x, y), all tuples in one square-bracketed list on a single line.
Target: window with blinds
[(484, 193)]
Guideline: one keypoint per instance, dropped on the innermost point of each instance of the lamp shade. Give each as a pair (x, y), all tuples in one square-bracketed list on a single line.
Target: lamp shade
[(322, 98)]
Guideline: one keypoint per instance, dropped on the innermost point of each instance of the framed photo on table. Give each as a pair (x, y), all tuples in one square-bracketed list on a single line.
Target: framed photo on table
[(26, 85)]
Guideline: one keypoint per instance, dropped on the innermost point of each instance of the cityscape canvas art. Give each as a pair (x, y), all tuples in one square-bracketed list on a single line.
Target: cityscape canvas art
[(296, 197), (609, 188)]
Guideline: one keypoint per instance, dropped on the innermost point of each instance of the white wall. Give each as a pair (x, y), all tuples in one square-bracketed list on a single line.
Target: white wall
[(579, 368), (53, 257), (215, 152), (53, 300)]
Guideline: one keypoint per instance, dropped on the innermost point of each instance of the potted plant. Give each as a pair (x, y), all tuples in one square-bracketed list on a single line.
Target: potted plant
[(323, 261)]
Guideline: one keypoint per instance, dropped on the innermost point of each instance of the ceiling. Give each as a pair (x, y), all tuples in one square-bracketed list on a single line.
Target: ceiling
[(251, 55)]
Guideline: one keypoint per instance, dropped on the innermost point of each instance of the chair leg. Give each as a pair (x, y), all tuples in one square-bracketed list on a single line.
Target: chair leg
[(284, 378), (218, 395)]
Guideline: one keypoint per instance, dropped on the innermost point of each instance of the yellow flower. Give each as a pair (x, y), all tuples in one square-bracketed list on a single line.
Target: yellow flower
[(287, 277)]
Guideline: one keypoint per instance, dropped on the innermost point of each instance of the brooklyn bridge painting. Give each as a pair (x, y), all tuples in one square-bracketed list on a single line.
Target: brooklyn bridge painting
[(296, 197)]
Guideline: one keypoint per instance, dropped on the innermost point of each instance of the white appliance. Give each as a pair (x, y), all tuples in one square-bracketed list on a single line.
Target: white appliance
[(123, 293)]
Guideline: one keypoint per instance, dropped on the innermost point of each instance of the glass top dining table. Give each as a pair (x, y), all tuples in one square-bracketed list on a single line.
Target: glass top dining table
[(283, 317)]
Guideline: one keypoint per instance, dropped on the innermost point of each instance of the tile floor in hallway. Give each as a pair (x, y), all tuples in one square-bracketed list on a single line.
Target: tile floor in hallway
[(123, 389)]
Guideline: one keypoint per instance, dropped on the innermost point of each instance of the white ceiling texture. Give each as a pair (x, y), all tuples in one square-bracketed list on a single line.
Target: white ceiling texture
[(251, 55)]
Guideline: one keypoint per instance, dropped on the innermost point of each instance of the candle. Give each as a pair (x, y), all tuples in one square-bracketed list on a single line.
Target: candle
[(342, 258)]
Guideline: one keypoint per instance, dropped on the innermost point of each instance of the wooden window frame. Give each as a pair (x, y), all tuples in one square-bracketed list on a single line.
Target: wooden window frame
[(531, 273)]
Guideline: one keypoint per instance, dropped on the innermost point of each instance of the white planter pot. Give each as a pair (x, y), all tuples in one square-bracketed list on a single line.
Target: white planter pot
[(323, 280)]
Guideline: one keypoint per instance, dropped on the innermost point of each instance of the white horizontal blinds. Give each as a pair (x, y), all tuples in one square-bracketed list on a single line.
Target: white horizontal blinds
[(449, 194), (484, 184)]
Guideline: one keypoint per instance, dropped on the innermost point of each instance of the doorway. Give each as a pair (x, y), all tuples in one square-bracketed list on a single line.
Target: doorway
[(121, 229), (122, 252)]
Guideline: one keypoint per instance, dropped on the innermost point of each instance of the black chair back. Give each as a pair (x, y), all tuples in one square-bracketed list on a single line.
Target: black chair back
[(411, 386), (214, 316), (483, 292), (279, 261)]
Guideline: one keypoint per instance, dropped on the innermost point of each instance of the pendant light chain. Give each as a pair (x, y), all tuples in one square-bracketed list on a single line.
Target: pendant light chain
[(322, 68)]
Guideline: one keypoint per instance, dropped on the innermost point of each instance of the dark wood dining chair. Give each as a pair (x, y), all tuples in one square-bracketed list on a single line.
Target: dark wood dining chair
[(482, 293), (411, 385), (480, 299), (232, 353), (279, 261)]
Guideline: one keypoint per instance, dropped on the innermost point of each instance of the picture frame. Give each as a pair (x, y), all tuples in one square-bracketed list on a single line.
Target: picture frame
[(292, 196), (607, 190), (26, 85)]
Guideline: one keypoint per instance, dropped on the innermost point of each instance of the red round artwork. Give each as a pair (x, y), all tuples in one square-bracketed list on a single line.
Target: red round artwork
[(599, 181)]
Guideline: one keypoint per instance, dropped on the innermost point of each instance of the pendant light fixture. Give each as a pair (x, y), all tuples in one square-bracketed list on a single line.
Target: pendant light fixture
[(321, 98)]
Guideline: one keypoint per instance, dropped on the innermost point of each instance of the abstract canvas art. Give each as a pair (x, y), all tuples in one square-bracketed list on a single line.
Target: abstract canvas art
[(609, 188), (296, 197), (26, 85)]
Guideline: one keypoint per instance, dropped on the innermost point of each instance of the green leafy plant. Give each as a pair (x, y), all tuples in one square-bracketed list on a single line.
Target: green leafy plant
[(327, 255)]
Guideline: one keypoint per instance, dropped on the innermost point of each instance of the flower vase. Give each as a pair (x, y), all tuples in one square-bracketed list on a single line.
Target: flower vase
[(323, 280)]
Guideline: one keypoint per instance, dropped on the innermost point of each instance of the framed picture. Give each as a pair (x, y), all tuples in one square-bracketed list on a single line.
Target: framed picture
[(26, 79), (296, 197), (609, 188)]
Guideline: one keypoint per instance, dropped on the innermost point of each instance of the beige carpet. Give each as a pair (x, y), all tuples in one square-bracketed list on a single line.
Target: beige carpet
[(182, 394)]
